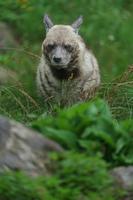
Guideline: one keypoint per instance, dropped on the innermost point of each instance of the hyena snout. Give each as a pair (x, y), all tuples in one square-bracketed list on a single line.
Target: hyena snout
[(60, 56), (57, 59)]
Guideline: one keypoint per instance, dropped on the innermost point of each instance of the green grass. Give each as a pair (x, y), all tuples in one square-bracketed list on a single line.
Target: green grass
[(107, 30), (18, 99)]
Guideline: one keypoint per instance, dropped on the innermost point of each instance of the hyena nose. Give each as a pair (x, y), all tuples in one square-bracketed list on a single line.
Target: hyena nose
[(57, 59)]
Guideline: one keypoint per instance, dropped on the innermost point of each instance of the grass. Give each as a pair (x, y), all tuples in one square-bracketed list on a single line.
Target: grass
[(119, 94), (107, 29), (18, 99)]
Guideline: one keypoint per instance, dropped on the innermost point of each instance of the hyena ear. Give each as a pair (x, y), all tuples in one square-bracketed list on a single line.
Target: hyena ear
[(77, 23), (48, 22)]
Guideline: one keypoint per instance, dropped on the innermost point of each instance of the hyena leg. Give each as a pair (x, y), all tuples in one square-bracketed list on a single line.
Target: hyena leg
[(47, 87), (88, 94), (89, 89)]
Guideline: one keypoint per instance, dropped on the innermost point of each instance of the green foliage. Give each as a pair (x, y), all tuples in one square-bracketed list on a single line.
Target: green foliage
[(79, 177), (76, 176), (90, 126), (107, 29), (94, 139), (16, 186)]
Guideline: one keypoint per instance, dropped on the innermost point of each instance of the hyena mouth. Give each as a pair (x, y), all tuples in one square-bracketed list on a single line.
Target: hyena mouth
[(67, 67), (60, 66), (65, 73)]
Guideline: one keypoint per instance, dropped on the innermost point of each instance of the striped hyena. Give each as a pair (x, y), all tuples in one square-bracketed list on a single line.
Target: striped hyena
[(67, 68)]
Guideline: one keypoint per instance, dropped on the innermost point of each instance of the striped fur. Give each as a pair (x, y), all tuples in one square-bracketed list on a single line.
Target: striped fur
[(82, 69)]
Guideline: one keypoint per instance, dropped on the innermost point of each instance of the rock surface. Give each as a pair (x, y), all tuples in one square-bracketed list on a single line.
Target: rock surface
[(6, 37), (124, 177), (24, 149)]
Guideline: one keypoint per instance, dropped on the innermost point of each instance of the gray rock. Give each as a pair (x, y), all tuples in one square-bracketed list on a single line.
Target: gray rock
[(6, 37), (24, 149), (124, 177)]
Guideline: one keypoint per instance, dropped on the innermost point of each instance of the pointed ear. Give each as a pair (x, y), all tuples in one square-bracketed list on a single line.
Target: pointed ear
[(48, 22), (77, 23)]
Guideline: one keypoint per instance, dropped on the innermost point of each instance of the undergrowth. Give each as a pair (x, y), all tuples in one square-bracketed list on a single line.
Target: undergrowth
[(76, 177), (93, 142), (90, 127)]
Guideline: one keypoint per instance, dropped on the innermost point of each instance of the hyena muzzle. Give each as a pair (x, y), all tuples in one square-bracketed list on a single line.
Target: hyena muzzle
[(67, 68)]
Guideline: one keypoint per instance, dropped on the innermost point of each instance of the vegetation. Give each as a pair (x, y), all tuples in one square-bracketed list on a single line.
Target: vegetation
[(96, 135), (81, 181), (90, 127), (107, 29)]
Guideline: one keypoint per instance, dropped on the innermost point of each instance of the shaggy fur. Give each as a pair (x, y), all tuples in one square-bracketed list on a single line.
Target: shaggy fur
[(78, 68)]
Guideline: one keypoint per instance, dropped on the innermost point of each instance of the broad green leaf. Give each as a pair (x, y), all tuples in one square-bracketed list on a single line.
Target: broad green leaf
[(65, 138)]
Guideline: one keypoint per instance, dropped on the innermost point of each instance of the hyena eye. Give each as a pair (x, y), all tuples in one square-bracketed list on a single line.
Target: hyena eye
[(50, 47), (68, 47)]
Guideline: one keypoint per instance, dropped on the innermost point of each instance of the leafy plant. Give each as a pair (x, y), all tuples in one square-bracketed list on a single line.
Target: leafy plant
[(90, 127), (14, 186), (76, 176), (81, 176)]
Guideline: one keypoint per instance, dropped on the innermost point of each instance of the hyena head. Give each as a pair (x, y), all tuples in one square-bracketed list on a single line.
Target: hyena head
[(61, 46)]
